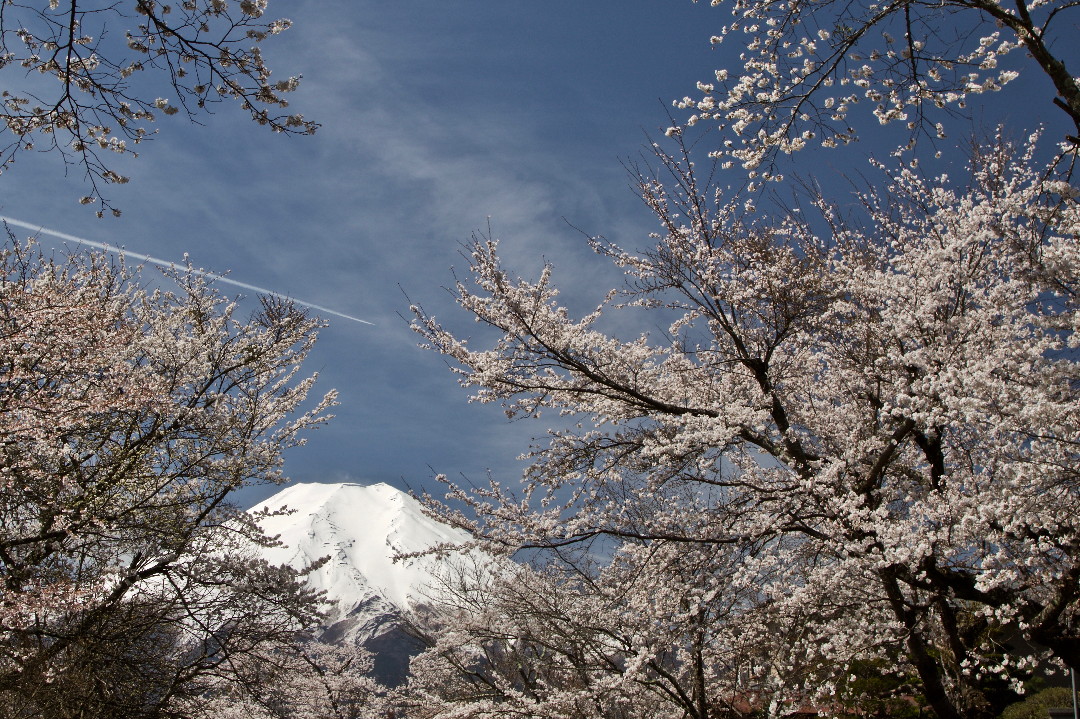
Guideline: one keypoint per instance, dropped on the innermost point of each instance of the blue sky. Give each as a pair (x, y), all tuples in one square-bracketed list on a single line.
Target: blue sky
[(435, 117)]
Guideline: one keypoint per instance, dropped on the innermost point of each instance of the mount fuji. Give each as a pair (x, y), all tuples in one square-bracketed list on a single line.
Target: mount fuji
[(361, 528)]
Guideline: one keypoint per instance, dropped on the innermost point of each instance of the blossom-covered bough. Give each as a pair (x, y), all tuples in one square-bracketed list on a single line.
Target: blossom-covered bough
[(808, 64), (76, 75), (865, 425), (128, 420)]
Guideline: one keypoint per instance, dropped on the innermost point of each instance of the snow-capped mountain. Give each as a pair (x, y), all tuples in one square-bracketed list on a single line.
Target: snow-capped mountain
[(361, 528)]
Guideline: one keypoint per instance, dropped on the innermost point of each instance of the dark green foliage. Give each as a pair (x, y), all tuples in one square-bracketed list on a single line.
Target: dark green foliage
[(1036, 706)]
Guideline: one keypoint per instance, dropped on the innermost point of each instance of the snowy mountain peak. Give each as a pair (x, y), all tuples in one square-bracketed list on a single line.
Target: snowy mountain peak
[(361, 528)]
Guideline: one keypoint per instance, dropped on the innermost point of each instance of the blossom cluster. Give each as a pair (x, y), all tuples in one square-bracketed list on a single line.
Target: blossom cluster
[(808, 64)]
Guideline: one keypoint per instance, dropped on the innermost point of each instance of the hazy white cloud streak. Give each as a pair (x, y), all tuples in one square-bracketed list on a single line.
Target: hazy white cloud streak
[(167, 263)]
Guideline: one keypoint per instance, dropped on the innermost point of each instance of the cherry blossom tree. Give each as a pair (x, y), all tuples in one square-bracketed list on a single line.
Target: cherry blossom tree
[(847, 468), (874, 418), (524, 643), (313, 680), (75, 75), (130, 417), (660, 630)]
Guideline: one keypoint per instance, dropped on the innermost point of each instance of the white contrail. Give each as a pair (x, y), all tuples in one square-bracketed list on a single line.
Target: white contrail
[(166, 263)]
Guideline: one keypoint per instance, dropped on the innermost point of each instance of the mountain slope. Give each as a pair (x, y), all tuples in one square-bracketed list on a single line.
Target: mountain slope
[(361, 528)]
